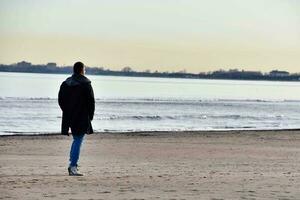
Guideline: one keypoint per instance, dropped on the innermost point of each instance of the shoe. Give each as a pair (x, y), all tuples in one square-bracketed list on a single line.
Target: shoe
[(73, 171)]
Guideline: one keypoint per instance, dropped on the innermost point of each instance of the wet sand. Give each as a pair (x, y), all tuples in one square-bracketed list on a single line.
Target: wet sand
[(189, 165)]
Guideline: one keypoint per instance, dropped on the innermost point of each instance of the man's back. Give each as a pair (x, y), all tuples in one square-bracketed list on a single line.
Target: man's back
[(76, 99)]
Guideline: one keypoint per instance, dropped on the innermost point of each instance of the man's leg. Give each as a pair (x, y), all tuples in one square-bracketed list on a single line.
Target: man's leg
[(75, 151)]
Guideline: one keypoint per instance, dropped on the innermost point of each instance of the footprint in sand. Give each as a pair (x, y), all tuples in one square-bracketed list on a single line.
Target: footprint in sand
[(104, 192), (170, 190)]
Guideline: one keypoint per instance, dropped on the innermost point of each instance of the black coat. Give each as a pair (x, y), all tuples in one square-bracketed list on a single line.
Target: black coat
[(77, 102)]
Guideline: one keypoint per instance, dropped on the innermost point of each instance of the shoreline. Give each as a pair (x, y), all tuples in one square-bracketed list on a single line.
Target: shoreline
[(158, 133)]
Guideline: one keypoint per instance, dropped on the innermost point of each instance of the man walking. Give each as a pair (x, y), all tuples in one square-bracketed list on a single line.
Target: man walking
[(77, 102)]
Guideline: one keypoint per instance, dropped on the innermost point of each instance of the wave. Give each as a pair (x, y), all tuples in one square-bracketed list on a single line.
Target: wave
[(183, 100), (6, 133), (161, 100), (26, 98), (188, 117)]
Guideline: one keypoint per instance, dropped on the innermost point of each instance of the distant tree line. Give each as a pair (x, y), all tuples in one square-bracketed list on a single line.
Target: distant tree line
[(233, 74)]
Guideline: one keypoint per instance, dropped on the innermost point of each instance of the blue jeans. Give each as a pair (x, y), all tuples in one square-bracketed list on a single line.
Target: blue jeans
[(75, 149)]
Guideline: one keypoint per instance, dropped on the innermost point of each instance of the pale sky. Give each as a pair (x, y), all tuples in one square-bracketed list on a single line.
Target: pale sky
[(163, 35)]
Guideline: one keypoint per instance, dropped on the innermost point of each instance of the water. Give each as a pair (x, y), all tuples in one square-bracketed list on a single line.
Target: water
[(28, 104)]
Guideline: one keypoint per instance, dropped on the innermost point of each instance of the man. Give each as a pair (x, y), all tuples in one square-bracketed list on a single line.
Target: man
[(76, 100)]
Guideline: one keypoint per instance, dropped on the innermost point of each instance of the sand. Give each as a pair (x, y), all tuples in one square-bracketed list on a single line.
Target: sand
[(195, 165)]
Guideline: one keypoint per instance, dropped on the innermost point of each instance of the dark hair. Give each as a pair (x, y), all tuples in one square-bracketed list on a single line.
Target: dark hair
[(78, 67)]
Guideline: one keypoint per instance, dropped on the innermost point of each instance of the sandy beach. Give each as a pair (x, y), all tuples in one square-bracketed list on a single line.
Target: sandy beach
[(189, 165)]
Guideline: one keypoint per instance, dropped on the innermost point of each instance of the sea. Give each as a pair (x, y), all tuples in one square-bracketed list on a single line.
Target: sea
[(28, 104)]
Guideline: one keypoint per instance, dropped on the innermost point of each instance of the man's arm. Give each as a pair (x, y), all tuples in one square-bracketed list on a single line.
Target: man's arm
[(61, 99), (91, 102)]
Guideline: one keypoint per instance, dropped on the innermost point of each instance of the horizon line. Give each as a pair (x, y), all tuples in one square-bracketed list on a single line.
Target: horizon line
[(150, 71)]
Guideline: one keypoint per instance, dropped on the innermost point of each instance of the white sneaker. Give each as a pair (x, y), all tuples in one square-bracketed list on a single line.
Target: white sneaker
[(73, 171)]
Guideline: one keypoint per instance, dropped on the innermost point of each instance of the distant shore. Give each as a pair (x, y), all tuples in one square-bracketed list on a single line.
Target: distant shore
[(232, 74), (145, 165)]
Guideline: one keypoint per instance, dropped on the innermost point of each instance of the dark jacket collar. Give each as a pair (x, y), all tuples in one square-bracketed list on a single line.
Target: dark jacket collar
[(77, 79)]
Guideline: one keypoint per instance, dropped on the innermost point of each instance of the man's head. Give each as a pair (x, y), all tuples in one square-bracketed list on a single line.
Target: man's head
[(78, 68)]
